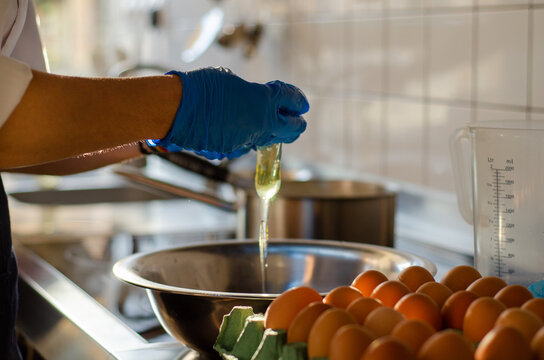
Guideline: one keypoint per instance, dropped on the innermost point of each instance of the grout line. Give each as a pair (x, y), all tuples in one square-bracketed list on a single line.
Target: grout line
[(402, 13), (346, 158), (474, 64), (530, 52), (367, 96), (385, 89), (426, 162)]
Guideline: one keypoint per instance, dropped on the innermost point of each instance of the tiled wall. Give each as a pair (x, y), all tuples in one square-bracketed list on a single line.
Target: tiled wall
[(389, 81)]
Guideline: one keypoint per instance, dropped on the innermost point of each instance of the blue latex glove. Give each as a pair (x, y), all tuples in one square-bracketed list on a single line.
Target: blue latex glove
[(222, 115), (537, 289)]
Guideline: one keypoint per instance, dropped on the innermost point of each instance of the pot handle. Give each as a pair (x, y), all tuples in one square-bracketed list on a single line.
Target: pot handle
[(462, 174), (138, 177), (206, 169), (196, 165)]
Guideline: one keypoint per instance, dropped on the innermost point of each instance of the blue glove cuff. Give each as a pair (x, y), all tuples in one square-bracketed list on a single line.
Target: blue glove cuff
[(183, 112)]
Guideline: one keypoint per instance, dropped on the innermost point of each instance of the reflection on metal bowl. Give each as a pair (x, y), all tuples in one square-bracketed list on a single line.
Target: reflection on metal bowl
[(192, 287)]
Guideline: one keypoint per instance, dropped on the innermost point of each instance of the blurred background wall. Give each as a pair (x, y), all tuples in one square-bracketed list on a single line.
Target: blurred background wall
[(388, 81)]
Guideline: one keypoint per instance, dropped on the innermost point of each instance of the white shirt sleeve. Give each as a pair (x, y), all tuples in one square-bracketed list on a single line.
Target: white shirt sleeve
[(14, 79), (19, 39)]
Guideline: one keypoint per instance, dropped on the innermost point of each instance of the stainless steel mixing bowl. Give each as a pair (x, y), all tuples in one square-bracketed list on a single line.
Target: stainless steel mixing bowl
[(191, 287)]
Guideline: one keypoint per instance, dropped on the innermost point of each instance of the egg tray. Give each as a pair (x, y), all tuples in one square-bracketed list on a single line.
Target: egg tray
[(242, 335)]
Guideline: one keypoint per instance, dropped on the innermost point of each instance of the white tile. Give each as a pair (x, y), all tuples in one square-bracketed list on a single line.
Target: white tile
[(538, 59), (302, 55), (502, 57), (406, 58), (370, 7), (323, 142), (537, 116), (184, 13), (306, 147), (298, 7), (405, 4), (239, 11), (267, 62), (272, 10), (449, 3), (328, 7), (492, 115), (443, 121), (331, 56), (365, 136), (365, 60), (502, 2), (450, 57), (405, 141), (330, 134)]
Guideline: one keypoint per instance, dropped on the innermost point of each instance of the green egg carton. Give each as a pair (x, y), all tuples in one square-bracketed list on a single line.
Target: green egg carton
[(242, 336)]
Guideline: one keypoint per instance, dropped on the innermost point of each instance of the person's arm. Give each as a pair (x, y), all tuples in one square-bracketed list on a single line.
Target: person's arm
[(62, 117), (85, 162)]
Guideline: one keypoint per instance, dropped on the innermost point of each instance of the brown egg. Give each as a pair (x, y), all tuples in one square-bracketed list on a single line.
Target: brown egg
[(342, 296), (389, 292), (503, 343), (367, 281), (446, 345), (480, 317), (454, 309), (300, 326), (388, 348), (460, 277), (350, 342), (420, 307), (487, 286), (536, 306), (413, 332), (523, 320), (382, 320), (324, 329), (415, 276), (285, 307), (363, 306), (513, 295), (437, 291), (537, 343)]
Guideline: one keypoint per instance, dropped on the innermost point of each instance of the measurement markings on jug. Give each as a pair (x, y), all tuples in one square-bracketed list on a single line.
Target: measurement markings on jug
[(503, 210)]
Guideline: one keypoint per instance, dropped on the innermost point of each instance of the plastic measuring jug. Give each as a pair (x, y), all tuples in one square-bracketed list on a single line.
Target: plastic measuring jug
[(503, 164)]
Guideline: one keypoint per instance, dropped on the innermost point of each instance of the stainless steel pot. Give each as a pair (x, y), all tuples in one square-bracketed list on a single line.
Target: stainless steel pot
[(323, 209), (317, 209)]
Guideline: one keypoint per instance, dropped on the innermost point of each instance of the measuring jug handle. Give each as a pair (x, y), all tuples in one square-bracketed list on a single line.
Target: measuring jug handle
[(462, 174)]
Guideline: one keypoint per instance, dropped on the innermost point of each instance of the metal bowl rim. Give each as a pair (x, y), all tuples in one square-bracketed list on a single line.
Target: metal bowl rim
[(122, 269)]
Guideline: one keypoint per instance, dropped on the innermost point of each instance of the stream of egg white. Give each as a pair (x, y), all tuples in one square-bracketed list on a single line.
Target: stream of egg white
[(267, 183), (263, 241)]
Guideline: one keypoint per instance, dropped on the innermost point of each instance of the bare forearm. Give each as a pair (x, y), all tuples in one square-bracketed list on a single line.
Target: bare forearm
[(64, 117), (85, 162)]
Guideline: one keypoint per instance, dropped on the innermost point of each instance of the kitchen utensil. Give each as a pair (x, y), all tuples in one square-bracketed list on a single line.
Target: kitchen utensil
[(506, 168), (204, 35), (193, 286), (344, 210)]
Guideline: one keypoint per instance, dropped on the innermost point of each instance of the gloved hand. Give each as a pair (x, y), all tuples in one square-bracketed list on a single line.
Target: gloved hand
[(222, 115)]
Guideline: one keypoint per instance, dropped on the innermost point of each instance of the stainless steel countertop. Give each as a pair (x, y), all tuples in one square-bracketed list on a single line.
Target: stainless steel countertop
[(62, 321)]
